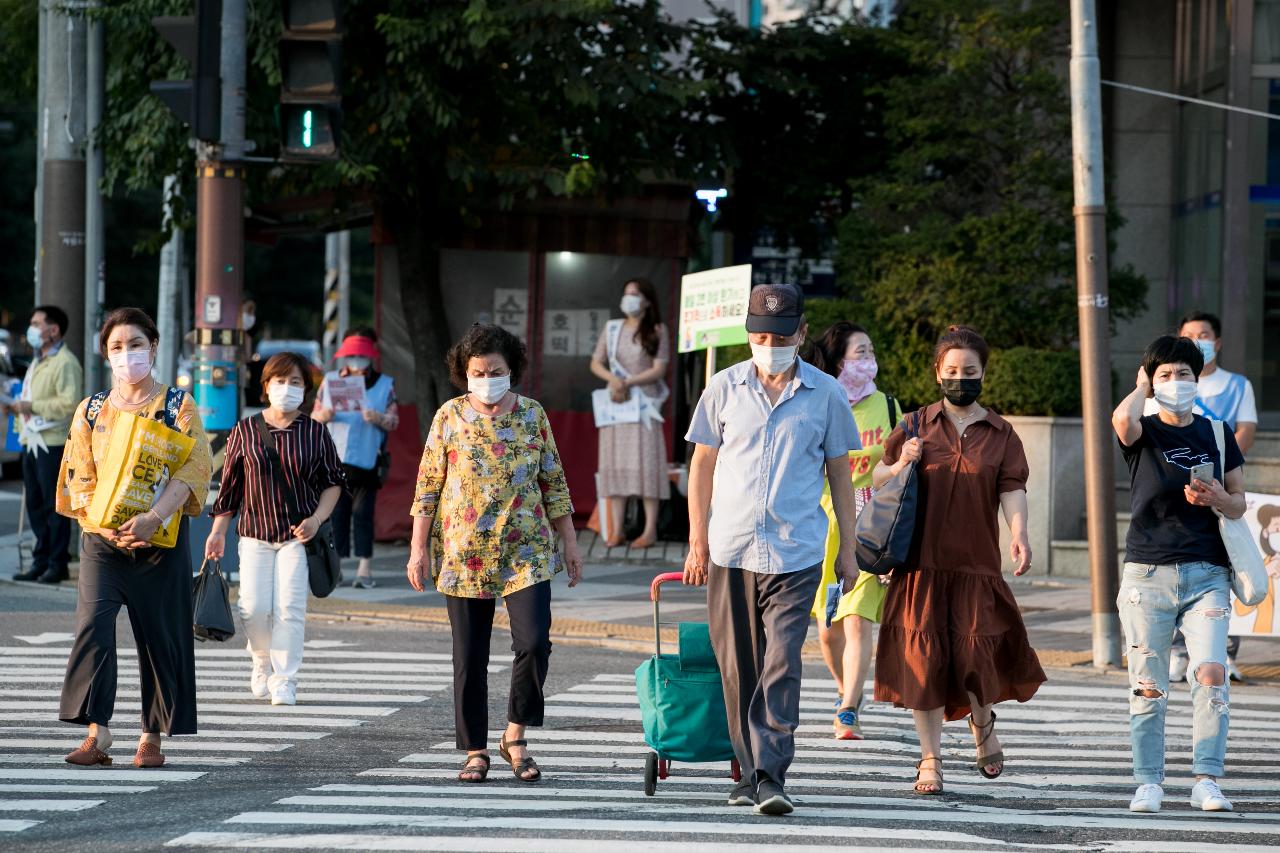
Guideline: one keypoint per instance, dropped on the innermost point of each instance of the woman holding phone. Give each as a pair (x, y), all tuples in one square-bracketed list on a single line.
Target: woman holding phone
[(1176, 571)]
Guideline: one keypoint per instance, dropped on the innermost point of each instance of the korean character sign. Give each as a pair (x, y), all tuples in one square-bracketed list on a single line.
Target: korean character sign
[(713, 308), (141, 459)]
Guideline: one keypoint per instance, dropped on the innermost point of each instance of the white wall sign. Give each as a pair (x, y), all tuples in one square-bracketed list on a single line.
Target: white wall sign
[(1263, 514), (511, 311)]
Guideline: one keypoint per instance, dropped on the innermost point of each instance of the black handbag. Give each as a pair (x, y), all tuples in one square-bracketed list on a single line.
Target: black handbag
[(324, 567), (887, 523), (211, 605)]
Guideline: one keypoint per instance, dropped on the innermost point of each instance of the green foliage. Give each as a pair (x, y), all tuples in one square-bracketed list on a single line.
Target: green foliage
[(971, 219), (1026, 381)]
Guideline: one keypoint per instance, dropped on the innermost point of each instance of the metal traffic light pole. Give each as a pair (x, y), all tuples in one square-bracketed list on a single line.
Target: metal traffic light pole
[(1095, 330)]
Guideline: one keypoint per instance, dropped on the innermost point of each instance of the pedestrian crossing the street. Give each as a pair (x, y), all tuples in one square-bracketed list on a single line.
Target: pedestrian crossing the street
[(338, 689), (1068, 771)]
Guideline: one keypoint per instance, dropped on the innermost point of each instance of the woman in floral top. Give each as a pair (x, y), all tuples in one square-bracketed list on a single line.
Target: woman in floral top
[(492, 479)]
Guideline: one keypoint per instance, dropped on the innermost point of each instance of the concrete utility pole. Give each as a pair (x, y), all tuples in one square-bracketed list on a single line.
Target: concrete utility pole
[(167, 300), (63, 191), (1095, 329), (42, 133), (220, 239), (95, 256)]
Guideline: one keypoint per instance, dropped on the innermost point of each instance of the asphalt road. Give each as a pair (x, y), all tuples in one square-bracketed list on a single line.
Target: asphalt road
[(366, 761)]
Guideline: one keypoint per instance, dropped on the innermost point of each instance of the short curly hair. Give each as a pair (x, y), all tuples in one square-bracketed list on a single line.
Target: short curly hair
[(482, 339)]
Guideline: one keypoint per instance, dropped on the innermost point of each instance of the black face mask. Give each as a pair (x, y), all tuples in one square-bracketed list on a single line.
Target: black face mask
[(961, 392)]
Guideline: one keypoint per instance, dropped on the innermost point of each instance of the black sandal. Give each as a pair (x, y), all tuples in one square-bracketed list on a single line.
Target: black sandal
[(983, 760), (470, 767), (521, 766)]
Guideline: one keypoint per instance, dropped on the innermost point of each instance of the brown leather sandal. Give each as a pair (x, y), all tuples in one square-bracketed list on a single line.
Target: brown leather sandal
[(88, 754), (984, 733), (521, 766), (472, 768), (929, 792), (148, 755)]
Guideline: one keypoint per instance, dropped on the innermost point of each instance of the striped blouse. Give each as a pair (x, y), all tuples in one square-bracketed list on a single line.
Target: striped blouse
[(250, 487)]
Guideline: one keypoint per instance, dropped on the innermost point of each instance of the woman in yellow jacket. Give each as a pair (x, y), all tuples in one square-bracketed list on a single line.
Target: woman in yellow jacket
[(845, 351), (120, 568)]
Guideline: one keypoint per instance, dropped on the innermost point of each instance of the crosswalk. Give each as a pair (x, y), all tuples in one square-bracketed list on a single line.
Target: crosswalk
[(1068, 774), (339, 689)]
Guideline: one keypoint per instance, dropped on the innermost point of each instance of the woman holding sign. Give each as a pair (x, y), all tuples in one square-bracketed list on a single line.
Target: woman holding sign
[(631, 356), (140, 442), (359, 406)]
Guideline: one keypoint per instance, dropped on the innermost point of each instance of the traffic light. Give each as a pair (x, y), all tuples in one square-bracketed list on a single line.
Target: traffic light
[(311, 75), (198, 39)]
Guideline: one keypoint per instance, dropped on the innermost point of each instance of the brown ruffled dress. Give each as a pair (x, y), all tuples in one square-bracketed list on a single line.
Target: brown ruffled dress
[(951, 625)]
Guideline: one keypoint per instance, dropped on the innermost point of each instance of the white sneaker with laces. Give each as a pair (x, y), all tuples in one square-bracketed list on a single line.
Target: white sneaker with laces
[(1233, 671), (1207, 797), (1147, 799), (258, 679), (1178, 664), (284, 695)]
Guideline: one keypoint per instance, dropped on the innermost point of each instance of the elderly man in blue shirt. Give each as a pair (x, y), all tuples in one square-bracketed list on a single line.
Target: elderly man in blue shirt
[(766, 432)]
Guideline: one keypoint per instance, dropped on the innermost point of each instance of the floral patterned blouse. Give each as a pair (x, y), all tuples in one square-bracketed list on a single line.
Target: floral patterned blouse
[(79, 470), (493, 484)]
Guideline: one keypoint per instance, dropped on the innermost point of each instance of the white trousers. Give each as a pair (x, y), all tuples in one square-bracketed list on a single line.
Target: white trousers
[(273, 605)]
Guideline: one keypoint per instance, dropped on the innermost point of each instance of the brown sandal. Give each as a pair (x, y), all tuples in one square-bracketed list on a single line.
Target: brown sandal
[(88, 754), (925, 791), (148, 755), (471, 768), (984, 734), (521, 766)]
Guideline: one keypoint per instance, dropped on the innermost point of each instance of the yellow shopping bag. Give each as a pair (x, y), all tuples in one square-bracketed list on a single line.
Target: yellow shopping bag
[(141, 459)]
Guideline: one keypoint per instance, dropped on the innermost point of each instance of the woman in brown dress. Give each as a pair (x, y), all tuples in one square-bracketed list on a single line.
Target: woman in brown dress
[(632, 356), (952, 642)]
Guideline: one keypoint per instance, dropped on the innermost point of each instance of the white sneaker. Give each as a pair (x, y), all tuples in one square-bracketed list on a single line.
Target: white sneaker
[(1207, 797), (1178, 664), (1147, 799), (284, 695), (258, 679), (1233, 672)]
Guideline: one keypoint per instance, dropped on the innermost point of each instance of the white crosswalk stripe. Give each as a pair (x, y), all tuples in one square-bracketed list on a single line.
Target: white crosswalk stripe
[(338, 689), (1068, 772)]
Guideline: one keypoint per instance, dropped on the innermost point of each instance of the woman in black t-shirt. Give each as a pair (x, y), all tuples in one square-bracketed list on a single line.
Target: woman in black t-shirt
[(1176, 573)]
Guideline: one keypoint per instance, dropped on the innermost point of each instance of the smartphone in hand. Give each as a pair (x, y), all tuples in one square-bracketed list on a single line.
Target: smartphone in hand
[(1202, 472), (835, 591)]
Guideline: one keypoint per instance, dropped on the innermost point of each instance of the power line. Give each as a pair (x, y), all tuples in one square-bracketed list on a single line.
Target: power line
[(1189, 100)]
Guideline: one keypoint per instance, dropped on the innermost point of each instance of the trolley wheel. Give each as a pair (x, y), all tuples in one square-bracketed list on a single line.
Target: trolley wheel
[(734, 770), (650, 774)]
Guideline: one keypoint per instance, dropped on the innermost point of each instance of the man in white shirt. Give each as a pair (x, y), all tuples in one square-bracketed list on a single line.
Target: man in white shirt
[(1223, 396)]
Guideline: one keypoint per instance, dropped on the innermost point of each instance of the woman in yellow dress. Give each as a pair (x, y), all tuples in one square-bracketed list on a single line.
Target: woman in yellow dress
[(845, 351)]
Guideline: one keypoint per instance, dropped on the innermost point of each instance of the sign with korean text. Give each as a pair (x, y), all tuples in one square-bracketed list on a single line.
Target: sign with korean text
[(713, 308)]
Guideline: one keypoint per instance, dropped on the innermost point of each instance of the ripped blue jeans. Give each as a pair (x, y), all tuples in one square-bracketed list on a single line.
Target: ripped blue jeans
[(1153, 602)]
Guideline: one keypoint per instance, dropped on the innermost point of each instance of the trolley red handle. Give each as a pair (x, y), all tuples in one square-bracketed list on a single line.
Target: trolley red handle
[(666, 577)]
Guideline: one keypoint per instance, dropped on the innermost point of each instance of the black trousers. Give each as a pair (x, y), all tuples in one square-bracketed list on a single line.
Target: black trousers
[(53, 531), (155, 584), (472, 622), (355, 505)]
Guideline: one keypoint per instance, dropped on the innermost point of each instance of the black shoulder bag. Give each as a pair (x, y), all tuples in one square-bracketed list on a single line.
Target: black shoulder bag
[(887, 524), (324, 569)]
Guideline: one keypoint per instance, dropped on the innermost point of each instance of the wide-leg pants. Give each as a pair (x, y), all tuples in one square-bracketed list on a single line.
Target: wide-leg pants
[(155, 584)]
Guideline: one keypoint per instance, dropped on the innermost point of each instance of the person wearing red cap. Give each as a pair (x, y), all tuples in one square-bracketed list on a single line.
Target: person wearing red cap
[(359, 424)]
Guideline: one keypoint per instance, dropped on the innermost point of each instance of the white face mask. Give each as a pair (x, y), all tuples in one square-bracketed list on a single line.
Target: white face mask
[(130, 367), (632, 305), (1208, 350), (489, 389), (359, 363), (773, 360), (1274, 541), (285, 397), (1176, 397), (35, 337)]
